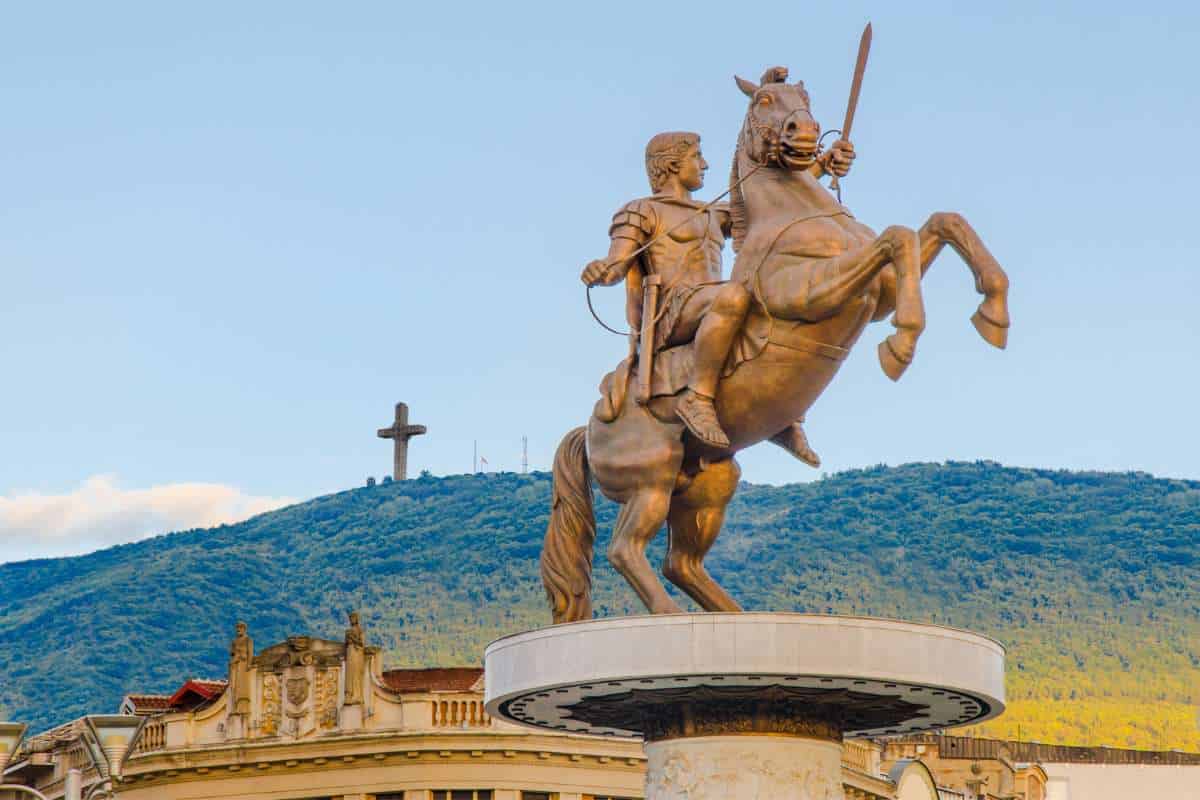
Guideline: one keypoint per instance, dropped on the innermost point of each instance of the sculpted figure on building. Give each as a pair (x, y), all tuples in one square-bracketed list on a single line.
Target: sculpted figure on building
[(241, 653), (355, 661)]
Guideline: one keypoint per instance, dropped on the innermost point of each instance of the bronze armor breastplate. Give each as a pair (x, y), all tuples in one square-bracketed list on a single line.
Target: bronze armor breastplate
[(690, 253)]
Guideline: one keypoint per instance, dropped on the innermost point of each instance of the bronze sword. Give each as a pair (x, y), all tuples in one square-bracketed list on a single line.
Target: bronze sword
[(860, 66)]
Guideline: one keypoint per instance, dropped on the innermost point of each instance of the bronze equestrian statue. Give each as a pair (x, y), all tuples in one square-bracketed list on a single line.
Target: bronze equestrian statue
[(719, 366)]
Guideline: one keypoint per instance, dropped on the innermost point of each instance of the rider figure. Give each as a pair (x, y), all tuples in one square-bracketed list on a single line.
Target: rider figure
[(696, 302)]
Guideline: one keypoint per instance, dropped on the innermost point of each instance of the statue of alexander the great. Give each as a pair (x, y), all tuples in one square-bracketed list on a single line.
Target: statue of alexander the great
[(720, 366), (679, 242)]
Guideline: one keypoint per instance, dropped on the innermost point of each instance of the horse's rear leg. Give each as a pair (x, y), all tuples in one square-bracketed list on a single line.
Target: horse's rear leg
[(639, 520), (991, 318), (694, 521)]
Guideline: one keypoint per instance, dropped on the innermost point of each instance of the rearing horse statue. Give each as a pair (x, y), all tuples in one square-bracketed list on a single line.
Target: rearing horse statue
[(818, 277)]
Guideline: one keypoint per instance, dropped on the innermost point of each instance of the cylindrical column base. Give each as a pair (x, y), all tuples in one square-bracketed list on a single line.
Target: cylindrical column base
[(744, 767)]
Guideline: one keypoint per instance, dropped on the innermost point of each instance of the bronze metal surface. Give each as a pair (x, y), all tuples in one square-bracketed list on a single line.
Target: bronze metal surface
[(860, 68), (752, 353)]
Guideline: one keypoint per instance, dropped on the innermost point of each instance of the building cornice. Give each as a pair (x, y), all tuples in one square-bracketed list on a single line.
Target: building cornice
[(379, 748)]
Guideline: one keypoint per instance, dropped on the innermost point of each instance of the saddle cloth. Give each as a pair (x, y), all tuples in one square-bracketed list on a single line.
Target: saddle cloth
[(673, 366)]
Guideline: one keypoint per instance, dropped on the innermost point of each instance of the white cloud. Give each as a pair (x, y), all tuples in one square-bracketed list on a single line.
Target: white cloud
[(100, 514)]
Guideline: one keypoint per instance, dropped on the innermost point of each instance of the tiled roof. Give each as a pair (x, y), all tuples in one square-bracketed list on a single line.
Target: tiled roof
[(45, 741), (146, 704), (196, 692), (215, 687), (437, 679), (968, 747)]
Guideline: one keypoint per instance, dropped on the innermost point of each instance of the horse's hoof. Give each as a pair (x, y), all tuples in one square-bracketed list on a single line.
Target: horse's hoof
[(893, 365), (993, 334)]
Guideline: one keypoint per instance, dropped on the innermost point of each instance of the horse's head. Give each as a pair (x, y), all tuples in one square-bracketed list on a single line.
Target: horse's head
[(779, 130)]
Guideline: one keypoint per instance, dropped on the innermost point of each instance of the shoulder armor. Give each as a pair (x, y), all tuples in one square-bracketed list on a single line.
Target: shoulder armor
[(637, 214)]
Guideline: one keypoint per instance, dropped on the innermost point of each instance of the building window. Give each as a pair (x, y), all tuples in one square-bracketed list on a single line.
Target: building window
[(461, 794), (536, 796), (607, 797)]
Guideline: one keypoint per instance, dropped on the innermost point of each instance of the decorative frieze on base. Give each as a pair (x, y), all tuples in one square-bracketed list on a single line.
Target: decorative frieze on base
[(744, 768), (717, 710)]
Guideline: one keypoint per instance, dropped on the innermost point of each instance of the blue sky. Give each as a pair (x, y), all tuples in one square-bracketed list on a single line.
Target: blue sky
[(233, 235)]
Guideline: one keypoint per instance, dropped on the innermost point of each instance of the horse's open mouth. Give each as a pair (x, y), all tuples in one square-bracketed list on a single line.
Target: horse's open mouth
[(796, 158)]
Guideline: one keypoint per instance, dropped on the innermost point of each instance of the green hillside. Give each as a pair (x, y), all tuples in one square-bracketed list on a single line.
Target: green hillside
[(1089, 578)]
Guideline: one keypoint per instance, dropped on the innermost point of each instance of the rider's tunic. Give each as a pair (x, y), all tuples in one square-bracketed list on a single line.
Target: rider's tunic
[(686, 252)]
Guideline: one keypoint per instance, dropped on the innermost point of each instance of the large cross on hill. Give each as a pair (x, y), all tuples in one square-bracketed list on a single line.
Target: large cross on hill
[(400, 432)]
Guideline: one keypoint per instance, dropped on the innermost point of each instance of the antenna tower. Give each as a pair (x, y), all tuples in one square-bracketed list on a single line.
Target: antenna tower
[(524, 455)]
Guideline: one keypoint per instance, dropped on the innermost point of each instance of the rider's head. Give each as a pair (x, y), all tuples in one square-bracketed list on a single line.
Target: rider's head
[(675, 155)]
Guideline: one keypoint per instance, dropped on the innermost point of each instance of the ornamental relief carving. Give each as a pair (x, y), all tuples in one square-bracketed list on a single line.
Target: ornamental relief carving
[(272, 708), (297, 696), (327, 704), (722, 774), (671, 713)]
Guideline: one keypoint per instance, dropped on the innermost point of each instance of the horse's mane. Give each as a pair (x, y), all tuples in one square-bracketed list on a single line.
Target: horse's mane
[(737, 204)]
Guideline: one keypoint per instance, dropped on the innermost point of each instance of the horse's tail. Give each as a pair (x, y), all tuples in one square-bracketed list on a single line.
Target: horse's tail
[(571, 534)]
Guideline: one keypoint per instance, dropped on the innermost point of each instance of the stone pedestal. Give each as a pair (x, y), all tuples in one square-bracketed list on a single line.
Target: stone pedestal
[(750, 706)]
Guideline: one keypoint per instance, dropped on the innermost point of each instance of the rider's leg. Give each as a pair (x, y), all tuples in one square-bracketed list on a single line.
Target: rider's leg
[(715, 336), (727, 305), (795, 441)]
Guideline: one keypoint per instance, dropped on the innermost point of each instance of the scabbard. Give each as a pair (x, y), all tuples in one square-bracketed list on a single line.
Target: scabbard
[(650, 289)]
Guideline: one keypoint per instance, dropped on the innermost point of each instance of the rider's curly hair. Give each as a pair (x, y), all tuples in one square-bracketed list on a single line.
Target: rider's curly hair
[(662, 151)]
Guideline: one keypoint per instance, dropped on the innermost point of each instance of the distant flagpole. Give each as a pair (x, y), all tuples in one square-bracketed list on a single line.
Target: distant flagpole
[(474, 456)]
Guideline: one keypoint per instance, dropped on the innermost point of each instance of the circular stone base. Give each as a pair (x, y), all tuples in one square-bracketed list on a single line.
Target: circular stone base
[(698, 675), (734, 767)]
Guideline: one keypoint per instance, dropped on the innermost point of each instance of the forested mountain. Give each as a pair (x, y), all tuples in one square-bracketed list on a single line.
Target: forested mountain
[(1089, 578)]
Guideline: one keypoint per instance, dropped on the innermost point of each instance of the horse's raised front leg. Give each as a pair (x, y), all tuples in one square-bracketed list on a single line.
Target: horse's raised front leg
[(991, 318), (695, 519), (639, 520), (818, 289)]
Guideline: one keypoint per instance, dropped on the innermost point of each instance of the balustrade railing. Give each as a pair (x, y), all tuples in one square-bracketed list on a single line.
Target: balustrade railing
[(460, 714), (153, 737)]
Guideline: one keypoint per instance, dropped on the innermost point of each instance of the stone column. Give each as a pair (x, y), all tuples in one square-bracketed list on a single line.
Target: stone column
[(741, 746)]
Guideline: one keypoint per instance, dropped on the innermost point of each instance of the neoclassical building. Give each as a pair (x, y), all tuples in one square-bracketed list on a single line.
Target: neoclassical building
[(319, 719)]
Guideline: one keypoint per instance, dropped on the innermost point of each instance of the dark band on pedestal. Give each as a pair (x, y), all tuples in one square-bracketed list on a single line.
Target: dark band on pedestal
[(689, 720), (732, 710)]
